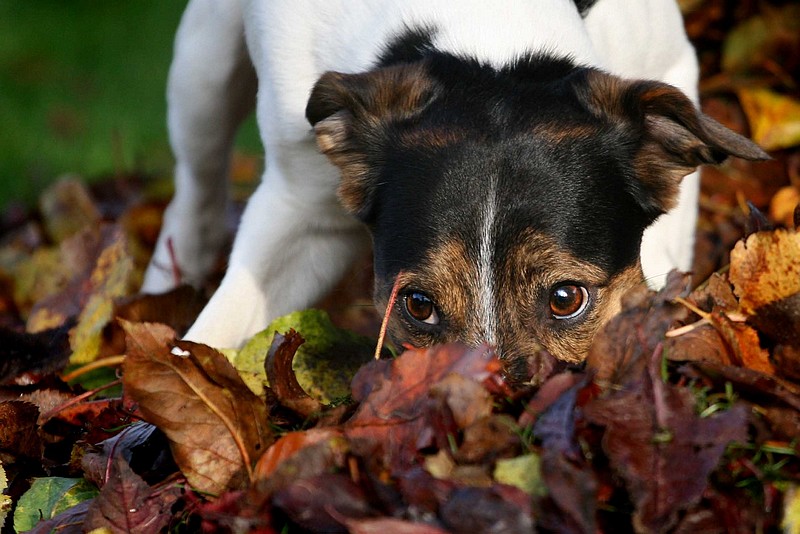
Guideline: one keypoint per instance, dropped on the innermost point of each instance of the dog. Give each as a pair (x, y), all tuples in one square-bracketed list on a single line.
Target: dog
[(510, 162)]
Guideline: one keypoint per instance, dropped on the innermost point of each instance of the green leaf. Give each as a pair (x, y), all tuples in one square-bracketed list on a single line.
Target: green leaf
[(523, 472), (48, 497), (324, 365)]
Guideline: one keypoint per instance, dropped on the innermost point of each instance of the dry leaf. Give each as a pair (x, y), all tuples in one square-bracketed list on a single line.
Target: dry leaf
[(67, 208), (127, 504), (216, 426), (287, 446), (765, 268), (652, 428), (783, 205), (774, 119), (282, 379), (397, 398)]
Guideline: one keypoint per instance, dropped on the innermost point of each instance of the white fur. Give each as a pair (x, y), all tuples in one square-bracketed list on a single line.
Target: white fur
[(294, 241)]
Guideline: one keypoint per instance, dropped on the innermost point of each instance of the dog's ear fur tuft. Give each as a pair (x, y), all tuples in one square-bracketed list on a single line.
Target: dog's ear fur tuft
[(350, 114), (674, 137)]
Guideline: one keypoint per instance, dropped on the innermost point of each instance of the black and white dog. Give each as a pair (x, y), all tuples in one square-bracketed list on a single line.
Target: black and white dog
[(506, 157)]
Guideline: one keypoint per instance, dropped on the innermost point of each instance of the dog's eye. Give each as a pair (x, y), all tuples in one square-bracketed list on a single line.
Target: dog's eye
[(421, 307), (568, 301)]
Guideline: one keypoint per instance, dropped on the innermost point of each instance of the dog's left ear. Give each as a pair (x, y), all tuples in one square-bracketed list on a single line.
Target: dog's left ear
[(674, 137), (350, 114)]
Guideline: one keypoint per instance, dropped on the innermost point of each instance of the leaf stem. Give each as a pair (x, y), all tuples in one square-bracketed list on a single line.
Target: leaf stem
[(110, 361)]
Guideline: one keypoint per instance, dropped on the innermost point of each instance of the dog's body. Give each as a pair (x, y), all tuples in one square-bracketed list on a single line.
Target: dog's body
[(505, 187)]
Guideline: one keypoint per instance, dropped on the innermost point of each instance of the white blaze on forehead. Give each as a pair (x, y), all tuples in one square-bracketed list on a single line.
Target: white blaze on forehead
[(486, 289)]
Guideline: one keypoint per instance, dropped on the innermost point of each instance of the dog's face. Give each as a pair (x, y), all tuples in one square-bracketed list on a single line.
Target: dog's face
[(508, 206)]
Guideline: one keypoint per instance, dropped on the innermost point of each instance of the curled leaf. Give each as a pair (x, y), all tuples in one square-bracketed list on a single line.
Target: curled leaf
[(282, 378)]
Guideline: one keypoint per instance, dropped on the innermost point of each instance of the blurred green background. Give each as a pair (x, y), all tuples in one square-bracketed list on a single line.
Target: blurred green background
[(82, 85)]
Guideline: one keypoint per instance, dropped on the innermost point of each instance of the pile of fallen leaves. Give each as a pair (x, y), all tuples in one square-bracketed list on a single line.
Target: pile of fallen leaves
[(685, 417)]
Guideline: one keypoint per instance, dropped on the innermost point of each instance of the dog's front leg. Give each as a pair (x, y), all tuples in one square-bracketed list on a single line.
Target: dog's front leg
[(211, 88), (289, 252)]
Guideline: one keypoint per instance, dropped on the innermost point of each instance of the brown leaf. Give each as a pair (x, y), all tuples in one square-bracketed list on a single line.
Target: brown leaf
[(177, 308), (127, 504), (43, 352), (287, 446), (396, 396), (743, 341), (787, 361), (67, 208), (571, 504), (19, 433), (650, 429), (488, 439), (716, 292), (765, 268), (623, 348), (323, 503), (466, 399), (703, 343), (387, 525), (216, 426), (282, 378), (326, 455)]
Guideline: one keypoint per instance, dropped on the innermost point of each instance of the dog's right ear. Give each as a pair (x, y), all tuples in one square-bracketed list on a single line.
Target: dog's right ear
[(351, 113)]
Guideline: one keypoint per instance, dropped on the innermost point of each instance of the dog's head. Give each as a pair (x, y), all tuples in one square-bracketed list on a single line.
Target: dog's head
[(509, 205)]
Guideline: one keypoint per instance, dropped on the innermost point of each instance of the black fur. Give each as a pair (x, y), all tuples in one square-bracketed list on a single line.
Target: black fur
[(582, 194), (584, 6)]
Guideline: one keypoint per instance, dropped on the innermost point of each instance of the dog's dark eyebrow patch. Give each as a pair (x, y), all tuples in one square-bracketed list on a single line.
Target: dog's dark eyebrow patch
[(412, 44), (584, 6)]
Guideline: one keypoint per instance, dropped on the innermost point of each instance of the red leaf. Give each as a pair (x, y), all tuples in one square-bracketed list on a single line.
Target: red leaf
[(282, 379)]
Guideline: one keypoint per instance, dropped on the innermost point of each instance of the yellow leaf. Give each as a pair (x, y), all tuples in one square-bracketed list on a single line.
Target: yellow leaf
[(67, 208), (791, 511), (783, 204), (765, 268), (774, 119), (112, 277)]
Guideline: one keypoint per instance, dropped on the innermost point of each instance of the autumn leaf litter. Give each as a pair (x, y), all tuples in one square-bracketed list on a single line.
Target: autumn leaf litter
[(685, 417)]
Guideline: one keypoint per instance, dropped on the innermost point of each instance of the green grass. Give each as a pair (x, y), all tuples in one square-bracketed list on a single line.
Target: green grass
[(82, 86)]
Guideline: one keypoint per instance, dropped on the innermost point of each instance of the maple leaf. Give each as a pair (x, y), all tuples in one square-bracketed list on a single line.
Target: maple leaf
[(216, 426)]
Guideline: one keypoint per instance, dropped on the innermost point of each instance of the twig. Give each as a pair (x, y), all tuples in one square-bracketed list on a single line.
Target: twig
[(385, 322), (77, 399), (110, 361)]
